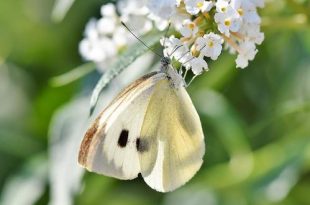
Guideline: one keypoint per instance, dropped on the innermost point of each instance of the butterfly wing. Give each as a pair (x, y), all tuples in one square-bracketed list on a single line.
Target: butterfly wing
[(172, 141), (109, 146)]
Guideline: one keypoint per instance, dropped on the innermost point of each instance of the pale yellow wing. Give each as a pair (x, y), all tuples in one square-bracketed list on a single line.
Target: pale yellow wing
[(172, 141)]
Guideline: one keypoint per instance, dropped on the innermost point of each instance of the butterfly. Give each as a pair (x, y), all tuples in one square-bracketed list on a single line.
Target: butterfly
[(152, 128)]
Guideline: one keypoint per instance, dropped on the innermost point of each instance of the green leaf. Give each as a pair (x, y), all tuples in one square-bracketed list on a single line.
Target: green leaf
[(124, 60), (72, 75)]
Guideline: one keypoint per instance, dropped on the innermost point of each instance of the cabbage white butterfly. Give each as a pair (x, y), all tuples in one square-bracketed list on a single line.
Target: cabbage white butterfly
[(151, 128)]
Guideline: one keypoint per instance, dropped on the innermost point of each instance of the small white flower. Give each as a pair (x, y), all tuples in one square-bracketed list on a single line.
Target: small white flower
[(97, 50), (139, 24), (91, 29), (195, 6), (189, 29), (247, 52), (178, 18), (107, 25), (247, 10), (252, 32), (210, 45), (162, 8), (221, 5), (121, 37), (198, 65), (108, 10), (175, 48), (228, 21), (130, 7), (134, 15), (160, 24)]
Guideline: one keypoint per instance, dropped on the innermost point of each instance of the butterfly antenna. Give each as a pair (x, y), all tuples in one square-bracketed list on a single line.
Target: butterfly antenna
[(141, 40), (175, 49), (193, 78), (184, 54), (194, 57), (164, 44)]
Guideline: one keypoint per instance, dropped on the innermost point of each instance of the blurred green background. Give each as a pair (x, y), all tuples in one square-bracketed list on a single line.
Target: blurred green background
[(256, 121)]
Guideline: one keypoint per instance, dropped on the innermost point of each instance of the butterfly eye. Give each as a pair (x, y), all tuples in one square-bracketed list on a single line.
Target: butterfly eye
[(142, 145), (123, 138)]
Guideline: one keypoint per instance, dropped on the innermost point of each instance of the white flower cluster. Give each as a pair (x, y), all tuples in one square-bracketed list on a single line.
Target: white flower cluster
[(203, 29), (234, 23), (106, 37)]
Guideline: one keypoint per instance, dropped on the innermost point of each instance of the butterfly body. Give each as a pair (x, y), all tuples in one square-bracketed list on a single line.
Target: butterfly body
[(151, 128)]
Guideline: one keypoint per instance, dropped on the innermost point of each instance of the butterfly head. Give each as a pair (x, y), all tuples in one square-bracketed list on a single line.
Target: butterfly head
[(173, 76), (165, 62)]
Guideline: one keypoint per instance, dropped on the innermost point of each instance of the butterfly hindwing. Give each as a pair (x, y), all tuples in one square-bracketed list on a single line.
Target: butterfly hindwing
[(174, 137), (110, 145)]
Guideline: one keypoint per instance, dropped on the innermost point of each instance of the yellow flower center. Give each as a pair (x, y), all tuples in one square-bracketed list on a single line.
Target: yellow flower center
[(241, 12), (201, 33), (200, 5), (223, 9), (210, 44), (194, 51), (227, 22), (191, 26)]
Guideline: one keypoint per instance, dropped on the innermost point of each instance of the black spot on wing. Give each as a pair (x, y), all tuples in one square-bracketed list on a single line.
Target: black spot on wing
[(142, 145), (123, 138)]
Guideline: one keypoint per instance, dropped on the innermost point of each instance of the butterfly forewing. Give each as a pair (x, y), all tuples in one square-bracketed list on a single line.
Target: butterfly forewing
[(110, 145)]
